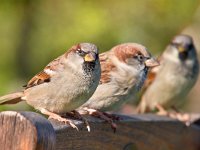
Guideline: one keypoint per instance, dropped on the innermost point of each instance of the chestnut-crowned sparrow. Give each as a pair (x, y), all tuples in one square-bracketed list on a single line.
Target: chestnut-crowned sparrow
[(123, 71)]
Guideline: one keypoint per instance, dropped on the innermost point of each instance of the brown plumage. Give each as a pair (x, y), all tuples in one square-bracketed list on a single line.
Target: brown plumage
[(123, 71), (106, 67)]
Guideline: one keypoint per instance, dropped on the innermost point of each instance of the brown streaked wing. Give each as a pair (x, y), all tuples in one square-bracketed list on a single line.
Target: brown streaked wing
[(43, 76), (106, 67), (38, 79)]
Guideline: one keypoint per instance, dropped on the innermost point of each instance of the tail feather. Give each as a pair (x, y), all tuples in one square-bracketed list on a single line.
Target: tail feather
[(11, 98)]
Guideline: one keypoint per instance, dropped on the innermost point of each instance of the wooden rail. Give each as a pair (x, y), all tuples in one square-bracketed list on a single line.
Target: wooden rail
[(31, 131)]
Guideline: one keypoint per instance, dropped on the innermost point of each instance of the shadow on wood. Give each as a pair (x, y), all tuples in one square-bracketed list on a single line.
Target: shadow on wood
[(28, 130)]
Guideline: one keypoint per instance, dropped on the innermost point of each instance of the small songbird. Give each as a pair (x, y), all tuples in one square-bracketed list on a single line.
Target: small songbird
[(123, 71), (65, 83), (169, 83)]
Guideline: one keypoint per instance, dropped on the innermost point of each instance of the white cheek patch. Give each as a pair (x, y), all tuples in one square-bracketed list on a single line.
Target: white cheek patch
[(75, 62), (126, 68), (172, 55)]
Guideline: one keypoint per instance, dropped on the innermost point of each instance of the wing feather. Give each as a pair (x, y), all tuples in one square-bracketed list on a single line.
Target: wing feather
[(106, 68), (47, 73)]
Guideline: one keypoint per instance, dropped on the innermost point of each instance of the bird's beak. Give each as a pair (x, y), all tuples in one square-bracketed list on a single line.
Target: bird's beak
[(90, 57), (151, 62), (181, 49)]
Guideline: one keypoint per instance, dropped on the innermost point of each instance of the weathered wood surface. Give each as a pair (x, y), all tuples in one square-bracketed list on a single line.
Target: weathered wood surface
[(27, 130), (139, 132)]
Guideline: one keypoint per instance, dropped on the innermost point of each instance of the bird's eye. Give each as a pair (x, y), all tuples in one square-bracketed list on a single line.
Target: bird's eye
[(80, 52), (140, 57)]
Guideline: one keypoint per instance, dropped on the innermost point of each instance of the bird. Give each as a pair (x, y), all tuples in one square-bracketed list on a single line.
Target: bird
[(63, 85), (123, 71), (168, 84)]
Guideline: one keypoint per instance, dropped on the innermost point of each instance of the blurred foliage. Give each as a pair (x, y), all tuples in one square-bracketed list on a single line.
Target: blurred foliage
[(33, 32)]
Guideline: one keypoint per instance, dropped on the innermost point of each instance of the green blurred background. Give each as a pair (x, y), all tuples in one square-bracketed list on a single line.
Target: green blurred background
[(33, 32)]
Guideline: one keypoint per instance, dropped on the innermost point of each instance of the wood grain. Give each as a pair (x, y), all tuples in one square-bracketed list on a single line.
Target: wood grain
[(138, 132), (25, 131), (31, 131)]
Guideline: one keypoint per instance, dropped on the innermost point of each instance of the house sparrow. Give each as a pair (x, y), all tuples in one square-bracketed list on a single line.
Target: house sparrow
[(65, 83), (123, 71), (170, 82)]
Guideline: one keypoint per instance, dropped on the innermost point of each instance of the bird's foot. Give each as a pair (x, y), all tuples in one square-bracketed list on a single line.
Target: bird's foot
[(183, 117), (77, 115), (102, 115), (66, 121), (112, 116), (59, 118), (161, 110)]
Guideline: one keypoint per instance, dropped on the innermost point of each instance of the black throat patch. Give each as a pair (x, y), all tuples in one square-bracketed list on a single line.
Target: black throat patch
[(88, 67)]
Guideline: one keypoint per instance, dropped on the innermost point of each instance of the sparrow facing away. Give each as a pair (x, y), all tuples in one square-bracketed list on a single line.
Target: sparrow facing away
[(65, 83), (123, 71), (170, 82)]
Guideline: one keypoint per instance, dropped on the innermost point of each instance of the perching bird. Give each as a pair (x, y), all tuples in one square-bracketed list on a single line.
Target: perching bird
[(169, 83), (65, 83), (123, 71)]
